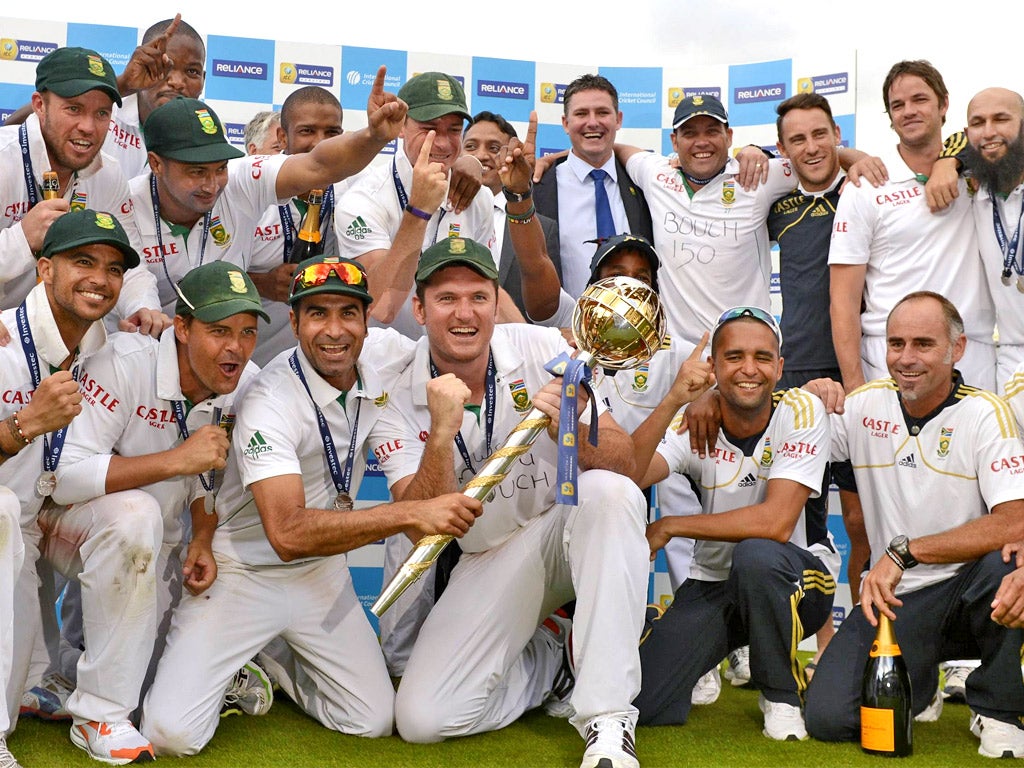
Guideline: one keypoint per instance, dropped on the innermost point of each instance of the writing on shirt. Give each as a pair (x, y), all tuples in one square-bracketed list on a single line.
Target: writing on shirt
[(899, 197), (269, 233), (724, 456), (1013, 464), (157, 418), (880, 427), (154, 254), (123, 138), (794, 450), (17, 396), (16, 211), (95, 393)]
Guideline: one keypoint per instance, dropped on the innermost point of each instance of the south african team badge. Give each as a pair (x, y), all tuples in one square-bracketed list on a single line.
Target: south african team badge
[(640, 376), (945, 436), (79, 201), (520, 397), (96, 66), (206, 122), (766, 453), (220, 235), (728, 192)]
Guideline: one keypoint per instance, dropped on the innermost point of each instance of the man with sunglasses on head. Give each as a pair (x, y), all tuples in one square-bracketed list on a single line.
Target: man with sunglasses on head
[(286, 520), (759, 574)]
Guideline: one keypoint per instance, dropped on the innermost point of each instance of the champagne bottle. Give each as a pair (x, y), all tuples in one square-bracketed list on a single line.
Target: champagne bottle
[(886, 719), (309, 243), (51, 185)]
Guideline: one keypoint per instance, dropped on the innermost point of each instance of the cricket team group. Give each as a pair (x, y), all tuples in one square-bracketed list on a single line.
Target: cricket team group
[(189, 395)]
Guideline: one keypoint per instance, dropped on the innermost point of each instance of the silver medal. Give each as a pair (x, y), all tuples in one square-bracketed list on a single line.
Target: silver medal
[(45, 484), (343, 502)]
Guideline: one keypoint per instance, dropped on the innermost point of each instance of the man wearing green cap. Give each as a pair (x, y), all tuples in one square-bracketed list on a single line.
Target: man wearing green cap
[(195, 206), (57, 332), (75, 91), (397, 210), (287, 518), (152, 438), (486, 653)]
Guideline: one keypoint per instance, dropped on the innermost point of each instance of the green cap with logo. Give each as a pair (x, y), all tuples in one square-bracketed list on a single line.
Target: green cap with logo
[(70, 72), (189, 131), (431, 95), (329, 274), (216, 290), (456, 251), (87, 227)]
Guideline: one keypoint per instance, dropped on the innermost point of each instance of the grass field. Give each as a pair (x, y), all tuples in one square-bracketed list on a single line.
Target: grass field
[(728, 733)]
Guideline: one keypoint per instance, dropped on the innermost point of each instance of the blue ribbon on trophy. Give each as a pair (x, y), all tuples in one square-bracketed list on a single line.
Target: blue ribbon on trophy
[(575, 373)]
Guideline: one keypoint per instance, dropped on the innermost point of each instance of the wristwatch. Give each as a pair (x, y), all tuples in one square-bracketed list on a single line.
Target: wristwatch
[(899, 551)]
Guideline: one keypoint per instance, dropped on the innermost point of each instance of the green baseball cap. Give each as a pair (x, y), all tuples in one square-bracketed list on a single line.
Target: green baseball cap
[(70, 72), (216, 290), (431, 95), (329, 274), (189, 131), (454, 251), (86, 227)]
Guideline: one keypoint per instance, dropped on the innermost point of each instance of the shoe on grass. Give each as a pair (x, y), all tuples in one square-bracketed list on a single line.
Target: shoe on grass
[(113, 743)]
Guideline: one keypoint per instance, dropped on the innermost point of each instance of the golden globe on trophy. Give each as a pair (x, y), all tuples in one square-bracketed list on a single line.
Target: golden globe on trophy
[(618, 323)]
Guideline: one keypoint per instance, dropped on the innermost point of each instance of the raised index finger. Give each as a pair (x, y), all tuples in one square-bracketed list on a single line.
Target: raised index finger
[(698, 351), (378, 81), (171, 28), (531, 132), (428, 145)]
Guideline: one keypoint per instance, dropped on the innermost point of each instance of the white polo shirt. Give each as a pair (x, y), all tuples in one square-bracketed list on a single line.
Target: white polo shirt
[(908, 248), (276, 433), (520, 352), (16, 388), (965, 460), (713, 246), (100, 186), (370, 213), (250, 190), (1007, 299), (128, 390), (1014, 395), (794, 446), (125, 142)]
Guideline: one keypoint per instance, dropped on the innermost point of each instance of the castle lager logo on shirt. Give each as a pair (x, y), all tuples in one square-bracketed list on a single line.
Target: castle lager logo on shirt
[(444, 90), (104, 221), (237, 282), (945, 435), (217, 231), (728, 192), (206, 122), (96, 66), (640, 376), (520, 397)]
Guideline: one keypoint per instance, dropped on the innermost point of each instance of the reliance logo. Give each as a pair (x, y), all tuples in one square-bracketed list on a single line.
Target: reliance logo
[(502, 89), (248, 70), (770, 92)]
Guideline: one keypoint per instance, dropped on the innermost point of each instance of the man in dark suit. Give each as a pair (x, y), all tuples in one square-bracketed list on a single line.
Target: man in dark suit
[(566, 192), (484, 139)]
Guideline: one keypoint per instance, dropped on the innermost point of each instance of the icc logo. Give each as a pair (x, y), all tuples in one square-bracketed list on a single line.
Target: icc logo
[(805, 85), (548, 93), (353, 77), (8, 49), (288, 73), (675, 95)]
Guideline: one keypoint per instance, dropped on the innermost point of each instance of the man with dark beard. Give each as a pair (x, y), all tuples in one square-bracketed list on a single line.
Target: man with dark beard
[(995, 158)]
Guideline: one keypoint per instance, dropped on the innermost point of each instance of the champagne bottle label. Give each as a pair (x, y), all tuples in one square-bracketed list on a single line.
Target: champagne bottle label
[(884, 649), (878, 729)]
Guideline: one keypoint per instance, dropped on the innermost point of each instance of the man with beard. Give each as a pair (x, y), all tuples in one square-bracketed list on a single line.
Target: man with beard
[(995, 158)]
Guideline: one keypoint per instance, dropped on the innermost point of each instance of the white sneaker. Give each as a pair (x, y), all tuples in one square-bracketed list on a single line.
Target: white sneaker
[(955, 687), (998, 739), (738, 671), (250, 691), (49, 699), (7, 760), (782, 722), (610, 743), (559, 626), (114, 743), (933, 711), (707, 689)]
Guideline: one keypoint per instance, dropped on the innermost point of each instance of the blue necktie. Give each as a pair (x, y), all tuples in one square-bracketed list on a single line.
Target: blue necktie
[(602, 210)]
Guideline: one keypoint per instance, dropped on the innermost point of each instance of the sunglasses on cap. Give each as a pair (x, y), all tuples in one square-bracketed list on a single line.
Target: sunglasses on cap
[(316, 275), (755, 313)]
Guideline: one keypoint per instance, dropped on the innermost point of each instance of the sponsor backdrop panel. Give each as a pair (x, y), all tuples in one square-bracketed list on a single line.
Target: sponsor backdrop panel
[(248, 75)]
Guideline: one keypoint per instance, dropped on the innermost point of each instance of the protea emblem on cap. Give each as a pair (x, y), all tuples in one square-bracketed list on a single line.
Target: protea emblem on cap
[(237, 282), (698, 101), (444, 90), (104, 220), (206, 122), (457, 245), (96, 66)]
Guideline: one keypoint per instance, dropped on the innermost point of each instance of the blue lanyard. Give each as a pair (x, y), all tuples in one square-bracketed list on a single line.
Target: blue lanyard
[(26, 163), (574, 374), (342, 482), (52, 449), (1009, 249), (159, 233), (403, 198), (179, 416), (288, 223), (490, 397)]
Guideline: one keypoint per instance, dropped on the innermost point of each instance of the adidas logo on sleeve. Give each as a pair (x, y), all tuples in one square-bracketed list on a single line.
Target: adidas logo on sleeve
[(257, 445)]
